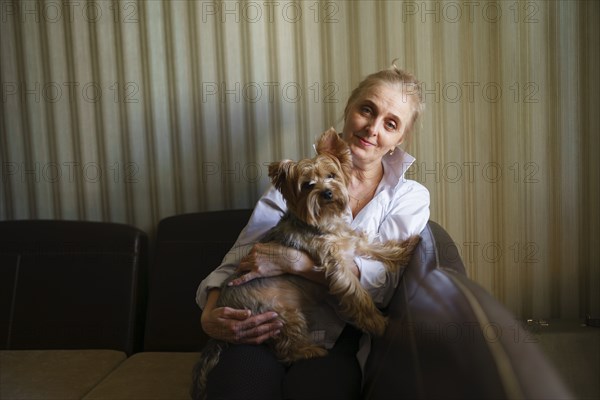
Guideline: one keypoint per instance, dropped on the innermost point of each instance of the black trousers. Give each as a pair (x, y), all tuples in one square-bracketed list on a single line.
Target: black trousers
[(252, 372)]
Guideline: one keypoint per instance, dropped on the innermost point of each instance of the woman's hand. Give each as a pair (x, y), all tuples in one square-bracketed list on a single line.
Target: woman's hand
[(267, 260), (238, 326), (273, 259)]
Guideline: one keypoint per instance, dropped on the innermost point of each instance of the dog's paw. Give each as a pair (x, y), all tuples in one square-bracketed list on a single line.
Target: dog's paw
[(313, 352), (303, 353), (410, 243), (374, 325)]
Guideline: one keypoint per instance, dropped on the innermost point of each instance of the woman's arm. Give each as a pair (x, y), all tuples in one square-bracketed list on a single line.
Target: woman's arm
[(272, 259), (266, 214), (407, 215), (225, 323)]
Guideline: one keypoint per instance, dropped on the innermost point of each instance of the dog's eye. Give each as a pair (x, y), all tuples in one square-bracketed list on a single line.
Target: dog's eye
[(308, 185), (331, 176)]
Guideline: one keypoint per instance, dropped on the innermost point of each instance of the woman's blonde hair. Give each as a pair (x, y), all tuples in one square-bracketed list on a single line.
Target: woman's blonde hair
[(398, 78)]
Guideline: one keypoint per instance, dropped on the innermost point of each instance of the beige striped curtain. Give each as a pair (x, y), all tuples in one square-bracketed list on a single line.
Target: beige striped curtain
[(132, 111)]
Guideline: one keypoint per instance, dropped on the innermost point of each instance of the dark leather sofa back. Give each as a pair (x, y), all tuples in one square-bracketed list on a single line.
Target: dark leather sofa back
[(188, 248), (71, 285)]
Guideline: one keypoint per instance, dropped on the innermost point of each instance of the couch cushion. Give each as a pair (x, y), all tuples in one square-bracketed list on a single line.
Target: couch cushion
[(149, 376), (71, 285), (53, 374)]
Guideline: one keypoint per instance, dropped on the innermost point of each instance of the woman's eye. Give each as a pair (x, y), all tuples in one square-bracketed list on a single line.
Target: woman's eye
[(365, 110), (391, 125)]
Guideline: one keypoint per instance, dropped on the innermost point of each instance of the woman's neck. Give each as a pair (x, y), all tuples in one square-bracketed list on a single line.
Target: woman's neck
[(363, 185), (366, 175)]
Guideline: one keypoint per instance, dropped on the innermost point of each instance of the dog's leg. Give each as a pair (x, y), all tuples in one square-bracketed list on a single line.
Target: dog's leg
[(393, 254), (294, 343), (355, 301)]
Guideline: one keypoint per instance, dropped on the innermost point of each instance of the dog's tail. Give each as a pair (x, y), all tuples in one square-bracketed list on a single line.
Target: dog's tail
[(208, 359)]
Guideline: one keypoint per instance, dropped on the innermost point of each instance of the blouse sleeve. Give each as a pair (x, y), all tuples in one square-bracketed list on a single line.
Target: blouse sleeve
[(407, 215), (268, 211)]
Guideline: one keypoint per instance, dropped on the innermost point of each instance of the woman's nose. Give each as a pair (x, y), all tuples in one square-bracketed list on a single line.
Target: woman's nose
[(373, 126)]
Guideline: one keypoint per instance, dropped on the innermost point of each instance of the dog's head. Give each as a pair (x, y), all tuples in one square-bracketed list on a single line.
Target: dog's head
[(315, 189)]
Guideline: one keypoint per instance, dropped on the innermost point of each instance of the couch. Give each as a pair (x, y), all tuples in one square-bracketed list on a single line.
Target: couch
[(92, 310)]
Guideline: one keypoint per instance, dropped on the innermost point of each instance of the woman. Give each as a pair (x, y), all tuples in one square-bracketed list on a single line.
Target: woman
[(380, 115)]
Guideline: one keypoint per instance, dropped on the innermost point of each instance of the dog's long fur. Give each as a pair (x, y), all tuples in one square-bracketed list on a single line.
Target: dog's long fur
[(316, 195)]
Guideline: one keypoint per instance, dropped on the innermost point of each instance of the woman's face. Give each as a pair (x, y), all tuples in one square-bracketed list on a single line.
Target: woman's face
[(377, 122)]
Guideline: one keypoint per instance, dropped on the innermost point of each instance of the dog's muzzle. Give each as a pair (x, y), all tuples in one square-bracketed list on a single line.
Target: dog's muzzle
[(327, 194)]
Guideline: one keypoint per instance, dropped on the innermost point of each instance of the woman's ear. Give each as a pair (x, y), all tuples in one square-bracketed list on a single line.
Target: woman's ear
[(397, 146)]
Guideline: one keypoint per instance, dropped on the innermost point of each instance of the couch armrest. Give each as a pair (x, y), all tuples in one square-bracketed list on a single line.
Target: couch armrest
[(448, 338), (445, 248)]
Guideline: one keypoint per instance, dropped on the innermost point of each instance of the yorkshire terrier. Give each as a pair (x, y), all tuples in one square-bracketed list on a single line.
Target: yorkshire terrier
[(315, 191)]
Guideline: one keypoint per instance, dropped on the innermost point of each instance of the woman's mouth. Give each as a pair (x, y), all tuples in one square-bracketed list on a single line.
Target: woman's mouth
[(364, 141)]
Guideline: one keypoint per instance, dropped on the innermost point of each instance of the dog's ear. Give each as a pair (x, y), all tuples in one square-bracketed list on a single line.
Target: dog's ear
[(280, 173), (330, 142)]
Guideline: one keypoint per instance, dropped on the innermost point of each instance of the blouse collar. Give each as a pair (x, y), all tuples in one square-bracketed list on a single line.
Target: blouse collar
[(395, 166)]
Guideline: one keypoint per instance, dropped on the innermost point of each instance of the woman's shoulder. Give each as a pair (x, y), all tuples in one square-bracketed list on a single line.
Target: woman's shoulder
[(409, 197), (409, 187)]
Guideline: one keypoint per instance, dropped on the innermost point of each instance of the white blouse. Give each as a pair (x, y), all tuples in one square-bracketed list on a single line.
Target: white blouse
[(399, 209)]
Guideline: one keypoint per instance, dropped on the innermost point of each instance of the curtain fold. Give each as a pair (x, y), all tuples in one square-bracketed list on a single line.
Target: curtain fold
[(132, 111)]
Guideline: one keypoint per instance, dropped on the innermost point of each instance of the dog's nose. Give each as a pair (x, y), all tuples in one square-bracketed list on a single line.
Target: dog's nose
[(327, 194)]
